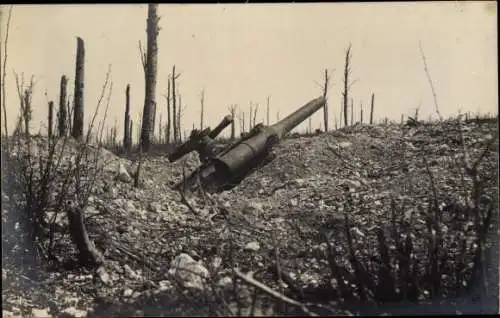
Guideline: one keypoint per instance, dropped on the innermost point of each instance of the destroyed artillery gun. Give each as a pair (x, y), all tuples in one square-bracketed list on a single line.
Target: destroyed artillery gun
[(202, 142), (225, 169)]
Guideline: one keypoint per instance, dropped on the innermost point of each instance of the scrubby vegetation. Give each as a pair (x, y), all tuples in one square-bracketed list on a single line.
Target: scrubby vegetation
[(355, 220), (334, 226)]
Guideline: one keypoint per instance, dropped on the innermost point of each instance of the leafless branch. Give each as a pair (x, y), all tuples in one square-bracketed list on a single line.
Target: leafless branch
[(99, 101), (429, 79), (143, 56), (273, 293), (352, 83), (4, 71), (322, 86)]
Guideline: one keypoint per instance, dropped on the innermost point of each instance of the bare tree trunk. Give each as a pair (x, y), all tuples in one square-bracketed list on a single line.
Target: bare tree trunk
[(416, 113), (61, 114), (160, 131), (345, 93), (174, 108), (361, 112), (243, 120), (78, 94), (255, 114), (335, 121), (115, 132), (166, 135), (341, 112), (277, 116), (371, 109), (51, 114), (169, 115), (127, 133), (309, 128), (202, 108), (179, 115), (352, 111), (153, 125), (110, 136), (139, 129), (130, 131), (69, 117), (27, 111), (250, 117), (325, 108), (267, 111), (150, 66), (232, 111), (3, 64)]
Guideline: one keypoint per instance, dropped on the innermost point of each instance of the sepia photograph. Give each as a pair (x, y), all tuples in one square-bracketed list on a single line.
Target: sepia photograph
[(249, 159)]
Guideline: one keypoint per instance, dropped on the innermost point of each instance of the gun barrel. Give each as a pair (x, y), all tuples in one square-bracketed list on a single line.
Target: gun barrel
[(293, 120), (254, 146), (226, 121), (239, 159)]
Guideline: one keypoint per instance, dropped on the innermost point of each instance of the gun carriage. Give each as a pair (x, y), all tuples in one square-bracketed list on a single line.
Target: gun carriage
[(225, 168)]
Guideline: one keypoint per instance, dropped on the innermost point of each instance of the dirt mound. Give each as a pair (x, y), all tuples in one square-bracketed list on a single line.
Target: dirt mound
[(364, 173)]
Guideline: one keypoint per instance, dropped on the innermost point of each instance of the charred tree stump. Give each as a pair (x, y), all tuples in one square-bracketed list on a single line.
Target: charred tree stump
[(174, 108), (325, 108), (78, 95), (150, 68), (232, 111), (345, 93), (51, 114), (371, 109), (361, 112), (169, 115), (202, 101), (267, 112), (127, 133), (62, 114)]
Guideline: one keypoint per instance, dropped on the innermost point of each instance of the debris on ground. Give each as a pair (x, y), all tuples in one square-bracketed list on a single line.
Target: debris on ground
[(154, 244)]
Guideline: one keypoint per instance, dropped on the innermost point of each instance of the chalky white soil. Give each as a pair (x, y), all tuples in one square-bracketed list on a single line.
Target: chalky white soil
[(143, 232)]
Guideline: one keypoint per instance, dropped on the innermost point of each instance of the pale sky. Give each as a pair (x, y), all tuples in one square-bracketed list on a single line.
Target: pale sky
[(245, 52)]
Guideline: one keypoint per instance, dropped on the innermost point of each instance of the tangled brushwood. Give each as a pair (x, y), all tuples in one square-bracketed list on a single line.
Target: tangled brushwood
[(435, 249), (50, 180), (424, 254)]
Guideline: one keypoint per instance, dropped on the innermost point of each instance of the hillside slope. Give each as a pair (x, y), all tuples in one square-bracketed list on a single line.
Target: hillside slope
[(367, 175)]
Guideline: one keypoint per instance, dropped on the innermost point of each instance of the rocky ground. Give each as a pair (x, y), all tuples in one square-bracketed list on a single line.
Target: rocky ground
[(280, 214)]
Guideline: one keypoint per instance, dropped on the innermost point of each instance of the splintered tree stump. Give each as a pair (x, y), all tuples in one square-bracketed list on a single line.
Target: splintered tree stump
[(150, 68), (51, 115), (127, 133), (62, 113), (78, 95)]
